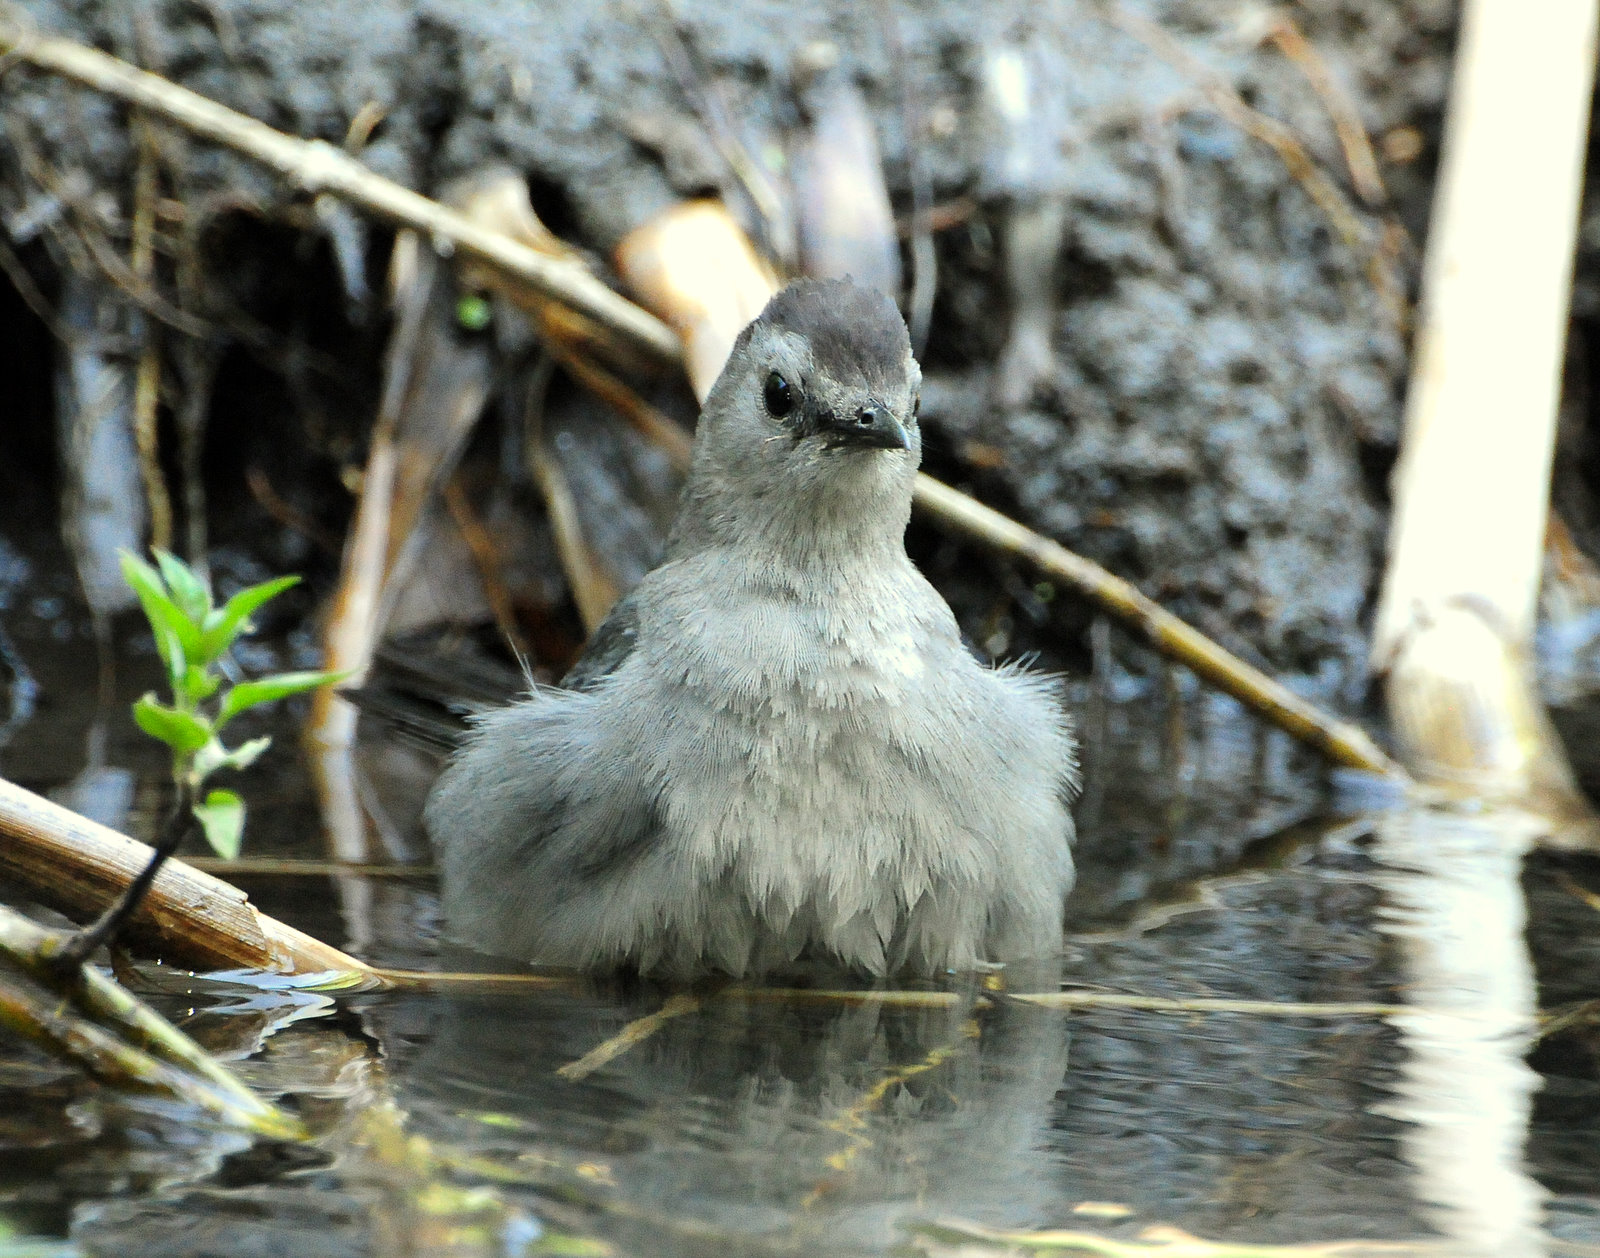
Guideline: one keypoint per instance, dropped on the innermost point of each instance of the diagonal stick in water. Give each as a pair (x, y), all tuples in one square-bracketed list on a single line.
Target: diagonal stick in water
[(636, 1032)]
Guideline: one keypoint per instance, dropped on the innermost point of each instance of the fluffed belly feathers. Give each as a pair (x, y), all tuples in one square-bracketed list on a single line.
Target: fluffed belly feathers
[(885, 822)]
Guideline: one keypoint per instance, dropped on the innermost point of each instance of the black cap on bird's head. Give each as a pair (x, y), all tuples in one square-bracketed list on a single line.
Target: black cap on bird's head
[(858, 342), (852, 331), (814, 416), (830, 360)]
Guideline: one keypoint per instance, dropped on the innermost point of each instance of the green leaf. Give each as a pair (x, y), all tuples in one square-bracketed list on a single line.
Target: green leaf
[(247, 694), (184, 732), (222, 819), (189, 591), (214, 756), (172, 655), (172, 629), (227, 622), (198, 684)]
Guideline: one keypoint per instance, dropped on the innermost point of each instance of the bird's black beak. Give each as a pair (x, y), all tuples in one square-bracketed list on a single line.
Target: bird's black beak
[(872, 426)]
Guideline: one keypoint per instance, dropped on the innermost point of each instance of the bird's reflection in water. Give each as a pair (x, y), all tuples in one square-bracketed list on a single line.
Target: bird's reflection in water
[(776, 1120)]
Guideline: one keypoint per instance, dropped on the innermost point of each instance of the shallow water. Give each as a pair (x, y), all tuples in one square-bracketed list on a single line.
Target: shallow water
[(1213, 869)]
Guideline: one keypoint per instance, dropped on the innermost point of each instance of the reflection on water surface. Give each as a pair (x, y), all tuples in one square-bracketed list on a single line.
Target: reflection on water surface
[(453, 1122)]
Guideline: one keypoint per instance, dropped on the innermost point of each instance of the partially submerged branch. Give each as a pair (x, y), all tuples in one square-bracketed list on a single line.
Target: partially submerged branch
[(77, 866), (1342, 742), (956, 1236), (85, 1017)]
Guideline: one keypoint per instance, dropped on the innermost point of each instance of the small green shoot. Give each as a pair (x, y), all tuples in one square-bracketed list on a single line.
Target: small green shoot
[(193, 635)]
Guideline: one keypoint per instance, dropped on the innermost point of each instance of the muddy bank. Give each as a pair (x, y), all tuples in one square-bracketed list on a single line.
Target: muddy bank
[(1149, 339)]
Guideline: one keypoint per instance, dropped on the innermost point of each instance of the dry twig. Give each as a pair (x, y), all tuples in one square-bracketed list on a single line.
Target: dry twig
[(1341, 106), (1340, 741), (650, 423), (486, 558)]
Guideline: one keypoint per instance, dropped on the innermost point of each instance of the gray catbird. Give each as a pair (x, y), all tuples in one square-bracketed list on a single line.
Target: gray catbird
[(777, 747)]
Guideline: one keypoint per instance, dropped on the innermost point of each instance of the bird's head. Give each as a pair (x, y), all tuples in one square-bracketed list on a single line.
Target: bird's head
[(813, 420)]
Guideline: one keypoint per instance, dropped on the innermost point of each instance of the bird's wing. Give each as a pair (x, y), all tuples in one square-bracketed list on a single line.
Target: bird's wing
[(423, 690), (608, 647)]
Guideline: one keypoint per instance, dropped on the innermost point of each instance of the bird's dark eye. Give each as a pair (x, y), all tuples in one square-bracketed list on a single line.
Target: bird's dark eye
[(778, 396)]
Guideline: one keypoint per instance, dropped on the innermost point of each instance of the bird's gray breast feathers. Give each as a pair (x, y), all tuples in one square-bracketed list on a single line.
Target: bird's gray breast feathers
[(834, 775)]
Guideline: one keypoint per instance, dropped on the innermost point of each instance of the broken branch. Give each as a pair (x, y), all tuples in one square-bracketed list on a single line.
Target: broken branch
[(88, 1019), (77, 866)]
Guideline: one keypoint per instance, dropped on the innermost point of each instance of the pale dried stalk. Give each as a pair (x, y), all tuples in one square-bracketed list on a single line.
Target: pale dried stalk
[(1473, 482), (147, 380), (1472, 486), (1209, 1004), (78, 866)]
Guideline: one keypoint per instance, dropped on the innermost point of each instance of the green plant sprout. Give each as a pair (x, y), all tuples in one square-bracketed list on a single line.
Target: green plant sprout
[(193, 635)]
